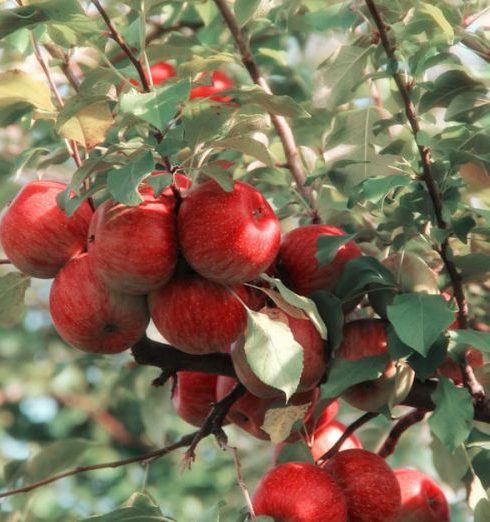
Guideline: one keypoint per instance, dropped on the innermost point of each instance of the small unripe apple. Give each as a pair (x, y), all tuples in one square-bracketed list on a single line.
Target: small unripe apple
[(219, 82), (128, 262), (228, 237), (298, 263), (299, 492), (369, 485), (90, 316), (422, 498), (305, 333), (326, 436), (249, 411), (37, 236), (196, 315), (193, 396)]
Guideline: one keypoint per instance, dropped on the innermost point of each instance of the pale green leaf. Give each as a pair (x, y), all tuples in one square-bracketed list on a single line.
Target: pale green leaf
[(13, 286)]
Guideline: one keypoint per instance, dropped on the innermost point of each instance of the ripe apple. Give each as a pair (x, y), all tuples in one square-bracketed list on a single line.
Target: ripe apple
[(219, 82), (369, 485), (451, 369), (248, 412), (327, 415), (134, 249), (298, 264), (90, 316), (37, 236), (299, 492), (228, 237), (422, 498), (160, 73), (306, 335), (196, 315), (324, 437), (193, 395)]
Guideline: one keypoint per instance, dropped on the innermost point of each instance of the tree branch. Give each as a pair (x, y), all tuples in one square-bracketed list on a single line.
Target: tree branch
[(152, 455), (280, 123), (117, 37), (470, 381), (65, 66), (402, 425), (347, 433)]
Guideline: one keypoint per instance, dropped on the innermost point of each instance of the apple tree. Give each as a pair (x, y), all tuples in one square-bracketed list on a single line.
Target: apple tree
[(266, 219)]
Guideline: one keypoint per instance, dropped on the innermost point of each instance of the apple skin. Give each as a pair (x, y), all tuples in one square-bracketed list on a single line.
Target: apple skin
[(193, 396), (324, 437), (248, 412), (129, 263), (219, 82), (160, 73), (228, 237), (298, 264), (369, 485), (450, 368), (37, 236), (196, 315), (90, 316), (422, 498), (363, 338), (306, 335), (299, 492)]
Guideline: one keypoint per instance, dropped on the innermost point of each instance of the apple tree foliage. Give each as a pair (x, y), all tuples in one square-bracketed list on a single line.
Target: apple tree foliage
[(371, 110)]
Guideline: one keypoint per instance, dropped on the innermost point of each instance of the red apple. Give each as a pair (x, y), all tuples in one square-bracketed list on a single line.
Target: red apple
[(326, 436), (248, 412), (363, 338), (369, 485), (298, 264), (299, 492), (219, 82), (160, 73), (422, 498), (326, 416), (451, 369), (193, 395), (228, 237), (134, 249), (90, 316), (305, 333), (37, 236), (197, 315)]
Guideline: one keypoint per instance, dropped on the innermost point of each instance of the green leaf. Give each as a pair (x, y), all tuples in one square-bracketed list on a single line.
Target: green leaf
[(450, 466), (439, 18), (297, 452), (273, 104), (342, 73), (448, 85), (158, 107), (75, 104), (159, 182), (213, 514), (376, 189), (330, 309), (480, 340), (430, 314), (12, 20), (299, 301), (55, 457), (478, 439), (273, 354), (328, 246), (222, 176), (452, 419), (473, 265), (343, 374), (123, 182), (131, 514), (245, 9), (13, 287), (246, 145), (462, 227), (196, 118), (361, 272), (20, 87)]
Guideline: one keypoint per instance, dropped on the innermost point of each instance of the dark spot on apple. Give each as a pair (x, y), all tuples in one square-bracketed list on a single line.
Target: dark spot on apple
[(109, 328), (257, 213), (91, 238)]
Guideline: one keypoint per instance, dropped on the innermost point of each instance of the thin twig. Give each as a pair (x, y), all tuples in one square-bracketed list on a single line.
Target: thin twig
[(470, 381), (152, 455), (117, 37), (241, 483), (213, 425), (280, 123), (347, 433), (5, 262), (389, 445)]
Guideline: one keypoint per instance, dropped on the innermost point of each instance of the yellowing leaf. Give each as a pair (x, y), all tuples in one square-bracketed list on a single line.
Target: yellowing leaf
[(89, 126), (20, 87), (13, 286), (278, 422)]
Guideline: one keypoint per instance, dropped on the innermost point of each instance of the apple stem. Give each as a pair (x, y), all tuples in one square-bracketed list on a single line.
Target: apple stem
[(347, 433), (403, 424)]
